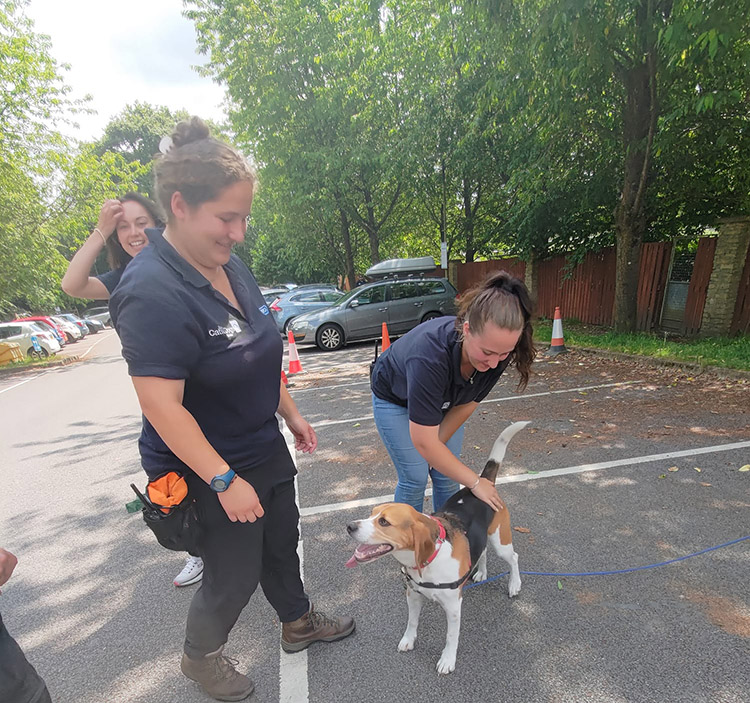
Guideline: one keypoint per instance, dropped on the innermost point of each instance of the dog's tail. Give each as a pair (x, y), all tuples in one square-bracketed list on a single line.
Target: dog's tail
[(498, 450)]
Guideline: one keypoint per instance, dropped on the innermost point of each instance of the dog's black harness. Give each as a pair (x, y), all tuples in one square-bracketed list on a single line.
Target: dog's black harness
[(427, 584)]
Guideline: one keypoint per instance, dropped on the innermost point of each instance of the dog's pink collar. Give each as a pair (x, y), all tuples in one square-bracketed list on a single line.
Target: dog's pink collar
[(438, 543)]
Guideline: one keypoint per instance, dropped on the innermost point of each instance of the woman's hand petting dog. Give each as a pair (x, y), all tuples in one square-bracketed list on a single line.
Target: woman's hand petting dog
[(485, 490)]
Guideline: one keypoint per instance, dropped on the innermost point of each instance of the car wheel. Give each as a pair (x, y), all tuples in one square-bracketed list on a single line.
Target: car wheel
[(431, 316), (330, 337), (38, 355), (288, 324)]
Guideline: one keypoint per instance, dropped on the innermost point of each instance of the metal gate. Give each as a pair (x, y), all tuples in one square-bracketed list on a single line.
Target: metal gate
[(685, 296)]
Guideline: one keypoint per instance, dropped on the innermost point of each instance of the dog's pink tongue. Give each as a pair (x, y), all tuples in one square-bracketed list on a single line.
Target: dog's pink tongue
[(352, 562)]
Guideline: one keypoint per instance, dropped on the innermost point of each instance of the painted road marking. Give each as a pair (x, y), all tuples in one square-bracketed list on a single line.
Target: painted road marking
[(293, 683), (551, 473), (328, 423)]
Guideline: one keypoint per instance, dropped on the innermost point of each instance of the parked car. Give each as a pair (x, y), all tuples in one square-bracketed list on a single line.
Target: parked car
[(301, 299), (72, 333), (93, 325), (49, 324), (24, 333), (100, 313), (77, 321), (270, 294), (360, 313)]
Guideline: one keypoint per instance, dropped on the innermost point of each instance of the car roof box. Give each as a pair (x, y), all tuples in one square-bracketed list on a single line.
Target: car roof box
[(401, 268)]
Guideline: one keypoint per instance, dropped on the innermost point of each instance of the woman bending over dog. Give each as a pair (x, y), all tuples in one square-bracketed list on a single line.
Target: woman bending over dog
[(428, 383)]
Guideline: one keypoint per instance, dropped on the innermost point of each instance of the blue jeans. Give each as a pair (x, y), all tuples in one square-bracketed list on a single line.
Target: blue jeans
[(413, 471)]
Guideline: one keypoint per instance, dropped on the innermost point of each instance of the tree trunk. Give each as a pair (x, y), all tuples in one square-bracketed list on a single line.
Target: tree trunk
[(468, 223), (371, 227), (346, 236), (639, 123)]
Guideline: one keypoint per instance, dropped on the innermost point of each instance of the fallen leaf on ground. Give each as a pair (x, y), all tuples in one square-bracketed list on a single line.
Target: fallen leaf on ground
[(746, 467), (525, 530), (356, 424), (697, 469), (662, 475), (673, 468), (559, 585), (703, 483)]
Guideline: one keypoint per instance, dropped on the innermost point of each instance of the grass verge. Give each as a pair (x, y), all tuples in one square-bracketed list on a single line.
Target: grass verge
[(727, 352)]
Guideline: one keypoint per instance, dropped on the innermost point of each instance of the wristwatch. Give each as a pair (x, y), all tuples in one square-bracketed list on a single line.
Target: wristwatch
[(221, 482)]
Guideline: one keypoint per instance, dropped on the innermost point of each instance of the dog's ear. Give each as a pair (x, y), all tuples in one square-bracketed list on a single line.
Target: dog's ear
[(424, 543)]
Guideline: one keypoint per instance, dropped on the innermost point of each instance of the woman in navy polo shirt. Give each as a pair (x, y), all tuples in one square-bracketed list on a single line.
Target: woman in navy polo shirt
[(121, 229), (205, 358), (427, 384)]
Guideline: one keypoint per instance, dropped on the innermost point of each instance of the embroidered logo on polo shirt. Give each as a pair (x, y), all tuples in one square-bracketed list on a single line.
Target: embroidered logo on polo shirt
[(446, 405), (231, 331), (264, 309)]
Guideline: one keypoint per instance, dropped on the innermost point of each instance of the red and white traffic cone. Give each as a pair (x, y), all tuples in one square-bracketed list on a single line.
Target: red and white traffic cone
[(386, 339), (295, 365), (284, 379), (557, 345)]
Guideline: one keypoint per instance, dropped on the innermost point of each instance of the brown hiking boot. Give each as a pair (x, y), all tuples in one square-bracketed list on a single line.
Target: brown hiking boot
[(314, 626), (217, 676)]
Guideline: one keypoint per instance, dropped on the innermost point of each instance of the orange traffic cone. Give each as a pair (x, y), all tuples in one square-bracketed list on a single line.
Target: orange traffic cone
[(294, 363), (557, 345), (386, 338), (284, 379)]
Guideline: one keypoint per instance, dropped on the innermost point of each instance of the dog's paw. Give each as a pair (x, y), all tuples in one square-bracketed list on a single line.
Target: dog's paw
[(479, 575), (514, 586), (446, 664), (406, 644)]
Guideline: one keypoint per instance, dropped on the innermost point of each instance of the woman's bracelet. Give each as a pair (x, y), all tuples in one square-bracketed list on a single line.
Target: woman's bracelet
[(476, 483), (99, 232)]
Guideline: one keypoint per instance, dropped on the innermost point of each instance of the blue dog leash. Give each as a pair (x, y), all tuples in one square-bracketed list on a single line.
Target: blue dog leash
[(615, 571)]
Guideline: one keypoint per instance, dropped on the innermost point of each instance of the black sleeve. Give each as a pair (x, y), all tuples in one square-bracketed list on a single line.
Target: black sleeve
[(110, 279), (159, 335)]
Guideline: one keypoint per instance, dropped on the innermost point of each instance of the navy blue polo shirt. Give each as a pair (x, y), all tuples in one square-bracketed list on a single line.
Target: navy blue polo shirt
[(421, 371), (173, 324), (111, 278)]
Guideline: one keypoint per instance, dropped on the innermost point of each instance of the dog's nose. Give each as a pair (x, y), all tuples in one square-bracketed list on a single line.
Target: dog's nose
[(351, 527)]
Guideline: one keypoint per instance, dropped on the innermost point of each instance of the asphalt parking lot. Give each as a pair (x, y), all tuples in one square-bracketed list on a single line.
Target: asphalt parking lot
[(604, 478), (589, 486)]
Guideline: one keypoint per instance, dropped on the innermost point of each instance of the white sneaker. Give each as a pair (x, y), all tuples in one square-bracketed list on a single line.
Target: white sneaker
[(191, 573)]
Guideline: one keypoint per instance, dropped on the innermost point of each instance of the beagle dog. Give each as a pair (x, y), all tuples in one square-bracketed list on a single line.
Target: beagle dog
[(440, 553)]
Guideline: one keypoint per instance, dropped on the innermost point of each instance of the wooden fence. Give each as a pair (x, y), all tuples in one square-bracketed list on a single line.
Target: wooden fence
[(741, 318), (585, 291)]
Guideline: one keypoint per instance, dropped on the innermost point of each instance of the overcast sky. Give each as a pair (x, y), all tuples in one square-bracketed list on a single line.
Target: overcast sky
[(122, 52)]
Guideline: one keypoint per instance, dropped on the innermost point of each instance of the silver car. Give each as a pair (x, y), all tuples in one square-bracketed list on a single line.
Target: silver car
[(308, 298), (360, 313)]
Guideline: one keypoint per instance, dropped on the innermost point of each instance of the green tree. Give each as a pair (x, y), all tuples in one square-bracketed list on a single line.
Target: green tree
[(601, 74), (135, 134), (33, 103)]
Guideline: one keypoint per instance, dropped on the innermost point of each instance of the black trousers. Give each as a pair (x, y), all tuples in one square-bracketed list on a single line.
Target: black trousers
[(19, 682), (237, 556)]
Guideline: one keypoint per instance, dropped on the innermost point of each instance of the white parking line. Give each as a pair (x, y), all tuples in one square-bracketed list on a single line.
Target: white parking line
[(328, 423), (325, 388), (20, 383), (293, 684), (81, 356), (551, 473)]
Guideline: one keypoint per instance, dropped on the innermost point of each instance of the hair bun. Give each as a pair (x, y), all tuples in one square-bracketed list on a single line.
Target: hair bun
[(189, 132)]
